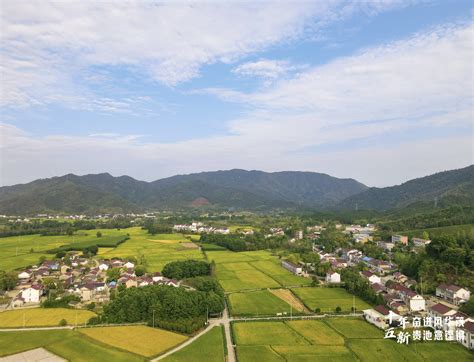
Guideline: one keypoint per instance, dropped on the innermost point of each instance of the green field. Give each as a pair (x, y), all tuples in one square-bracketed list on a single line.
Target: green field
[(257, 303), (333, 339), (142, 340), (102, 242), (158, 250), (280, 274), (41, 317), (328, 299), (208, 348), (20, 251), (65, 343)]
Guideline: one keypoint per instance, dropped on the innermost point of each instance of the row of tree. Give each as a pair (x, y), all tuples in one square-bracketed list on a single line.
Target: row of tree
[(186, 269)]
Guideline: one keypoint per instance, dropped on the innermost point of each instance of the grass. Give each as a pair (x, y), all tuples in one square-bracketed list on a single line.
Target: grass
[(257, 303), (258, 353), (209, 348), (17, 252), (102, 242), (266, 333), (288, 296), (372, 350), (280, 274), (317, 332), (314, 353), (327, 299), (242, 276), (65, 343), (354, 328), (140, 340), (42, 317), (158, 250)]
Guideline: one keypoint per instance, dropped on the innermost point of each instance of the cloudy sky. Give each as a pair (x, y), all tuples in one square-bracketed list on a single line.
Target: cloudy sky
[(380, 91)]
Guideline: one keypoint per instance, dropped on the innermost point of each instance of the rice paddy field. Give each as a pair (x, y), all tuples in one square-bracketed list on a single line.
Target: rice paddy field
[(251, 270), (141, 340), (43, 317), (208, 348), (258, 303), (332, 339), (158, 250), (328, 299), (67, 344)]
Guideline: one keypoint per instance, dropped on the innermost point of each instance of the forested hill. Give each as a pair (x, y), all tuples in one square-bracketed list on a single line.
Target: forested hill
[(236, 189), (443, 189)]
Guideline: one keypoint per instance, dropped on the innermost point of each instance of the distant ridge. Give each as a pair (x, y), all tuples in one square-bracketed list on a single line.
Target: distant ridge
[(231, 189)]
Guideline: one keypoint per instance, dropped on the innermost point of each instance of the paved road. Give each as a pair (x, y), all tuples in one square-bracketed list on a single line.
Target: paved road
[(230, 346)]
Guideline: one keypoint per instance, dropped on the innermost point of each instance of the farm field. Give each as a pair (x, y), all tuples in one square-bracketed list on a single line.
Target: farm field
[(65, 343), (327, 299), (337, 339), (235, 277), (227, 256), (288, 296), (280, 274), (257, 303), (21, 251), (41, 317), (141, 340), (208, 348), (158, 250)]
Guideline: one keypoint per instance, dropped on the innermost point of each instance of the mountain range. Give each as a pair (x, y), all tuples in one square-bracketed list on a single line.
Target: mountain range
[(232, 189)]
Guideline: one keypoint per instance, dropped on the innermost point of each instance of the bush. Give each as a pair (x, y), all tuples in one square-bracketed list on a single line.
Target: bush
[(317, 310), (63, 322), (338, 309)]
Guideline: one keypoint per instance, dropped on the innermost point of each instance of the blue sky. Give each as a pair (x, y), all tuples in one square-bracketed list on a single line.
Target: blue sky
[(377, 91)]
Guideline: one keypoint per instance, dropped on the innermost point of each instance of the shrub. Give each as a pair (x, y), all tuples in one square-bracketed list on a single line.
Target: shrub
[(63, 322)]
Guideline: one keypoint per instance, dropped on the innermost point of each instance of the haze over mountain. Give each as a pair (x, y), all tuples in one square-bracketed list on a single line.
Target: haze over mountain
[(232, 189)]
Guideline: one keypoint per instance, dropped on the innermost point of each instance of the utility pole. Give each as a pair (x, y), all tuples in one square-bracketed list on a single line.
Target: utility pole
[(153, 318), (291, 311), (353, 305)]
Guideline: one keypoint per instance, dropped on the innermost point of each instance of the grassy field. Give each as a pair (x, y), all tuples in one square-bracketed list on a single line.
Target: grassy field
[(141, 340), (241, 276), (158, 250), (20, 251), (102, 242), (327, 299), (65, 343), (39, 317), (257, 303), (209, 348), (280, 274), (333, 339), (288, 296)]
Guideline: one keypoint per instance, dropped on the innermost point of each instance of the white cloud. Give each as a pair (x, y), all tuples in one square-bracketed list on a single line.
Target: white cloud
[(265, 68), (48, 46)]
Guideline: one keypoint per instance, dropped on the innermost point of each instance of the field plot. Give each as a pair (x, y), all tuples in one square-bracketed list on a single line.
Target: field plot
[(280, 274), (140, 340), (288, 296), (257, 353), (314, 353), (20, 251), (328, 299), (40, 317), (266, 333), (227, 256), (209, 348), (257, 303), (64, 343), (354, 328), (158, 250), (317, 332), (235, 277)]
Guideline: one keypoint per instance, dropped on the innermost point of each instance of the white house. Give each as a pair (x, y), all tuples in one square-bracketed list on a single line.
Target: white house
[(129, 265), (24, 275), (400, 239), (468, 338), (379, 316), (157, 277), (371, 277), (32, 294), (333, 277), (453, 293), (418, 242), (295, 269), (103, 267), (416, 302)]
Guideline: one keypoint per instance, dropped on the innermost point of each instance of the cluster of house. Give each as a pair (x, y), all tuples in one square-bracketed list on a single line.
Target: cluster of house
[(275, 232), (85, 278), (401, 300), (360, 234), (200, 228)]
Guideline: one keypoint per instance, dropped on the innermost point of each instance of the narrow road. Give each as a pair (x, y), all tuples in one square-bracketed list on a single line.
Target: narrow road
[(230, 346)]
